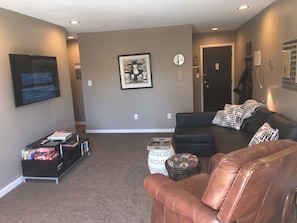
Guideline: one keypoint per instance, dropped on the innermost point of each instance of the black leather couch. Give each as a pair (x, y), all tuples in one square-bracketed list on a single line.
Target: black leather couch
[(195, 133)]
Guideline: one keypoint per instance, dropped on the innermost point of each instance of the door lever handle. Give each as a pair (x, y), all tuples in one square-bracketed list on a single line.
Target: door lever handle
[(205, 83)]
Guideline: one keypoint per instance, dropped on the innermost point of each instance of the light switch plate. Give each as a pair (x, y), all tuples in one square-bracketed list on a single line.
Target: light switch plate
[(168, 115)]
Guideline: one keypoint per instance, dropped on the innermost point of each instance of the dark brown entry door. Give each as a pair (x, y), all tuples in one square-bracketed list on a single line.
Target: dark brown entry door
[(217, 64)]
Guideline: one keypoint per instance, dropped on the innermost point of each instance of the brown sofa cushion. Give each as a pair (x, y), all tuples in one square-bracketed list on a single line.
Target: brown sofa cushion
[(224, 173)]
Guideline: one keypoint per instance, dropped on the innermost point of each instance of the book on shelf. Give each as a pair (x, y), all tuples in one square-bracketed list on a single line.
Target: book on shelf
[(84, 146), (45, 149), (70, 143), (46, 156), (28, 153), (41, 153)]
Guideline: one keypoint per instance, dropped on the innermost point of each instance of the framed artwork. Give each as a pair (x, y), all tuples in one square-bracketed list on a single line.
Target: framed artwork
[(248, 48), (249, 63), (135, 71), (289, 64), (77, 71)]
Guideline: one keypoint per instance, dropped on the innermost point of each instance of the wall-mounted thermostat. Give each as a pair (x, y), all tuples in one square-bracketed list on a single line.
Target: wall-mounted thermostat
[(257, 58)]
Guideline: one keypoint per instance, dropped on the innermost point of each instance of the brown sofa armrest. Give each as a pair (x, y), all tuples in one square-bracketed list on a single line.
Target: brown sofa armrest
[(179, 200), (214, 160)]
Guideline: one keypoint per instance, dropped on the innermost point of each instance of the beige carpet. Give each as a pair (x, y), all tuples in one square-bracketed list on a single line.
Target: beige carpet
[(105, 187)]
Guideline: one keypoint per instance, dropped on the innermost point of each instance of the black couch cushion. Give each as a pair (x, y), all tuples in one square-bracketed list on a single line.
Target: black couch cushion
[(192, 119), (287, 128), (192, 134), (252, 124), (199, 149), (203, 134), (225, 143)]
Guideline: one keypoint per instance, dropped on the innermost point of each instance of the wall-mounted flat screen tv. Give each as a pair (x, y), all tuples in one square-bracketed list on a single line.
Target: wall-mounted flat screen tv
[(35, 78)]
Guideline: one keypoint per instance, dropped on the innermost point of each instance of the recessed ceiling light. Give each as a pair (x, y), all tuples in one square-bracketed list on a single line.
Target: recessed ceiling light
[(214, 28), (74, 22), (70, 37), (242, 7)]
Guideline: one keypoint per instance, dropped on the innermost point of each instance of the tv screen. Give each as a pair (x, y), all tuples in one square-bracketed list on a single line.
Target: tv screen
[(35, 78)]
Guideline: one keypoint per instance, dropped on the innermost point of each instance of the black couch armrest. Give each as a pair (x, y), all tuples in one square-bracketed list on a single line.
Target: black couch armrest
[(194, 119), (287, 127)]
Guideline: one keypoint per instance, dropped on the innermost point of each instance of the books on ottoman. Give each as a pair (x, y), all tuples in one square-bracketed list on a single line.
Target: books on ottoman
[(159, 143)]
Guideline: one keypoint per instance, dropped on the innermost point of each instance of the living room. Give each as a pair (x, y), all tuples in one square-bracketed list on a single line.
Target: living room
[(107, 107)]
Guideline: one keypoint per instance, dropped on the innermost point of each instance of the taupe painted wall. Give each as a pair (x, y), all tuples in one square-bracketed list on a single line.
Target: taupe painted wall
[(20, 126), (268, 31), (107, 107), (199, 39)]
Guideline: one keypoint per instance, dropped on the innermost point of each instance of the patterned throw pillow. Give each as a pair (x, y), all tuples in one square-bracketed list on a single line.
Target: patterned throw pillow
[(264, 133), (230, 117)]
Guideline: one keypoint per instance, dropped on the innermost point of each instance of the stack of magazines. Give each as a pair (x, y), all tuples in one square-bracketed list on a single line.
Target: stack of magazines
[(46, 156), (41, 153)]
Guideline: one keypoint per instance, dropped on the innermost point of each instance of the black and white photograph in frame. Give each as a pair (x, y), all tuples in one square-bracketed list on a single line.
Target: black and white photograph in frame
[(135, 71)]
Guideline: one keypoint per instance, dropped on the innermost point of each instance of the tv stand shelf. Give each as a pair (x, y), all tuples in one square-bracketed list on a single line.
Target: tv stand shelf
[(71, 152)]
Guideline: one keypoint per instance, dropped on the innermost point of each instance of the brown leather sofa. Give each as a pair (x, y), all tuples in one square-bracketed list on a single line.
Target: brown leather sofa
[(252, 185)]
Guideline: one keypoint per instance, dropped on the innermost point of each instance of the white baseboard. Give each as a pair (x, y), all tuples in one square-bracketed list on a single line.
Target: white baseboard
[(129, 130), (11, 186)]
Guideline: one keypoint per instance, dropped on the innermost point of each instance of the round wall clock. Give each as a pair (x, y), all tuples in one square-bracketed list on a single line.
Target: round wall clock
[(178, 59)]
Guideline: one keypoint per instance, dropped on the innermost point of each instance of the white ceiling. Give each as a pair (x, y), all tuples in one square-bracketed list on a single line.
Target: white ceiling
[(111, 15)]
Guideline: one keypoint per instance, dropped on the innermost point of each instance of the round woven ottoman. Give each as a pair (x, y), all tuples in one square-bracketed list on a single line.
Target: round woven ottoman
[(182, 165)]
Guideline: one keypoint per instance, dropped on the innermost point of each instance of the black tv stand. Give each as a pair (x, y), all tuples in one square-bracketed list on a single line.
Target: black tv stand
[(71, 152)]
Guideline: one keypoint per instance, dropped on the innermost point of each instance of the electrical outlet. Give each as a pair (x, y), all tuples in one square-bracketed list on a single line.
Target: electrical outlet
[(135, 116), (168, 115)]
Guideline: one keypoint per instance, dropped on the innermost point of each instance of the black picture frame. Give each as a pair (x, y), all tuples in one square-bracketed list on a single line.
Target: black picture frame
[(135, 71), (248, 48), (249, 63)]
